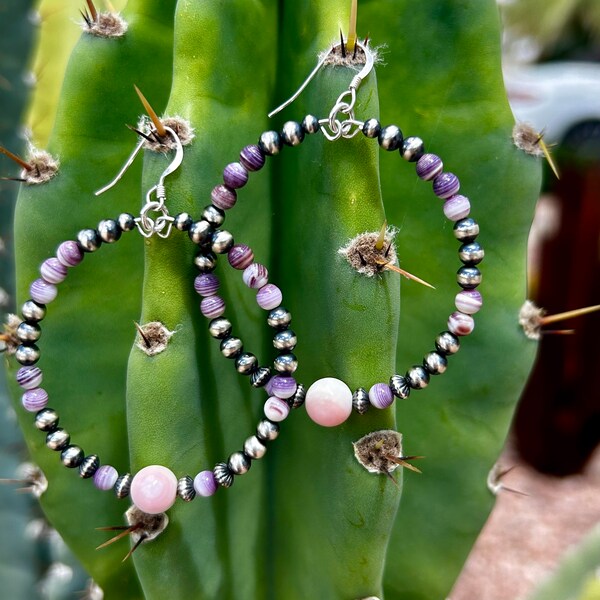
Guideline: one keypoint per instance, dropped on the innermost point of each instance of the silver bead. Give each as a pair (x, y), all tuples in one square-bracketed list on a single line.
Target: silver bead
[(447, 342), (239, 463), (292, 133), (28, 332), (468, 277), (123, 486), (310, 124), (27, 355), (297, 400), (267, 431), (223, 475), (435, 363), (89, 240), (206, 262), (412, 149), (466, 230), (371, 128), (109, 231), (72, 456), (245, 363), (214, 215), (286, 363), (46, 419), (57, 439), (270, 142), (126, 222), (285, 340), (89, 465), (32, 311), (219, 328), (221, 241), (200, 232), (231, 347), (185, 489), (390, 138), (260, 377), (279, 318), (417, 377), (471, 253), (182, 221), (399, 387), (360, 401), (254, 448)]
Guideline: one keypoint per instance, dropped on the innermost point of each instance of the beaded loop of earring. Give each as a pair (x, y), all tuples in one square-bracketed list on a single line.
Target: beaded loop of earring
[(329, 401)]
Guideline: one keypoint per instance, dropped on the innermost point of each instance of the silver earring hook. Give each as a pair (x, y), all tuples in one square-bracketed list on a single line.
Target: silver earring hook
[(354, 83)]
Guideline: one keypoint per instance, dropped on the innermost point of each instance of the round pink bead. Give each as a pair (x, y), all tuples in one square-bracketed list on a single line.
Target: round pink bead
[(205, 483), (457, 207), (53, 271), (105, 477), (69, 254), (154, 489), (269, 296), (276, 409), (468, 301), (461, 324), (212, 307), (43, 292), (328, 402), (255, 276)]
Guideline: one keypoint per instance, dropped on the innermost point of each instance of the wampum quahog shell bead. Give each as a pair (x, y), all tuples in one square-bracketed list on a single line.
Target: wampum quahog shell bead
[(279, 318), (468, 277), (221, 241), (109, 231), (447, 343), (185, 488), (126, 222), (46, 419), (466, 230), (286, 363), (206, 262), (213, 215), (89, 465), (57, 439), (297, 400), (245, 363), (310, 124), (220, 328), (239, 463), (123, 485), (267, 431), (260, 377), (33, 311), (223, 475), (292, 133), (360, 401), (200, 232), (89, 240), (28, 332), (231, 347), (417, 377), (254, 448), (399, 387), (435, 363), (27, 354), (72, 456)]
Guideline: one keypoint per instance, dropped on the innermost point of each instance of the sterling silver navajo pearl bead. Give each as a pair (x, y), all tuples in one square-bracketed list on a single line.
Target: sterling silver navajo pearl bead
[(27, 354), (72, 456), (371, 128), (310, 124), (126, 222), (213, 215), (360, 401), (123, 486), (399, 387), (279, 318), (390, 138), (221, 242), (220, 328), (109, 231), (466, 230), (46, 419), (267, 431), (206, 262), (435, 363), (297, 400), (223, 475), (468, 277), (239, 463), (28, 332), (200, 232), (270, 143), (89, 240), (447, 343), (89, 465), (231, 347), (57, 439), (260, 377), (32, 311), (285, 340), (254, 448), (185, 489), (182, 221), (245, 363), (471, 253), (292, 133), (286, 363), (412, 149), (417, 377)]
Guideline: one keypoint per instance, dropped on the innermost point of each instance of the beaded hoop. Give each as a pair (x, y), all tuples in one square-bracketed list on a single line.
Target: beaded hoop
[(329, 401)]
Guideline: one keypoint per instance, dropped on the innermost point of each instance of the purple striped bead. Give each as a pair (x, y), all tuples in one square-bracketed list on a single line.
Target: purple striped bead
[(212, 307), (206, 284), (269, 296), (105, 477), (69, 254), (460, 324), (255, 276), (29, 377), (283, 387), (276, 409), (42, 292), (457, 207), (34, 400), (240, 256), (268, 387), (428, 166), (235, 175), (205, 483), (468, 301), (252, 158), (53, 271), (380, 395), (223, 197), (445, 185)]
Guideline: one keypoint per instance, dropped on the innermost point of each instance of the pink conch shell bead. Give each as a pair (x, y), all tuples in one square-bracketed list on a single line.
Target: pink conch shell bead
[(328, 402), (153, 489)]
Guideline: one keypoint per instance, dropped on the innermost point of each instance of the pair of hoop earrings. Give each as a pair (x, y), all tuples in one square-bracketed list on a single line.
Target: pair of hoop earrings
[(329, 401)]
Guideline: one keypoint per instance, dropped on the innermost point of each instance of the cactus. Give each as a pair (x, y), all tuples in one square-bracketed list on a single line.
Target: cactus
[(309, 520)]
